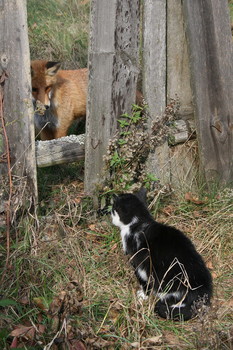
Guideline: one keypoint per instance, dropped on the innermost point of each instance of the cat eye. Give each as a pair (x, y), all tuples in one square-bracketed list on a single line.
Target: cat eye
[(34, 89)]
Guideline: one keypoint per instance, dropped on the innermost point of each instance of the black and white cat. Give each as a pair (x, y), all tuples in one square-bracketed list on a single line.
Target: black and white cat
[(166, 262)]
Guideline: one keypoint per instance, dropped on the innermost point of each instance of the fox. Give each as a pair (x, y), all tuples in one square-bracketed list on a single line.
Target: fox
[(59, 97)]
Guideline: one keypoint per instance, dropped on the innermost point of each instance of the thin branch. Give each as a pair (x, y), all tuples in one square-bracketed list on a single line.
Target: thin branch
[(8, 203)]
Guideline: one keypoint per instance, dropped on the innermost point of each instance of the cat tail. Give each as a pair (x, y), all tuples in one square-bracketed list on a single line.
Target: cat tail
[(182, 313)]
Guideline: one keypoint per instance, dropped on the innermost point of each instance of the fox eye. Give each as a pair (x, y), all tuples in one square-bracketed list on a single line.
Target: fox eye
[(48, 88), (34, 89)]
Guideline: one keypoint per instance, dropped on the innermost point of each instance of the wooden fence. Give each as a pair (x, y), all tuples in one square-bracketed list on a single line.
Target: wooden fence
[(186, 51), (17, 140)]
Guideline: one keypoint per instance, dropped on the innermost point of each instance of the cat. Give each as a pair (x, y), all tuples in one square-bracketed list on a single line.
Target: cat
[(165, 260)]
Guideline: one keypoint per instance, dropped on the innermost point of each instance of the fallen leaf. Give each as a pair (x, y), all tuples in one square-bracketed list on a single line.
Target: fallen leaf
[(172, 339), (40, 303), (24, 331), (77, 345), (153, 340), (135, 345), (209, 264), (189, 197), (92, 227), (214, 275), (41, 328), (169, 210), (114, 247), (77, 200), (14, 343)]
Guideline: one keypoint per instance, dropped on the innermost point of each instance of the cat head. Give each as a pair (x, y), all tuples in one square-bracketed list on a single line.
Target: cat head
[(126, 208)]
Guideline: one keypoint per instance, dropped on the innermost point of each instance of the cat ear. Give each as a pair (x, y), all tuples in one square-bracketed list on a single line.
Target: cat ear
[(114, 197), (141, 194)]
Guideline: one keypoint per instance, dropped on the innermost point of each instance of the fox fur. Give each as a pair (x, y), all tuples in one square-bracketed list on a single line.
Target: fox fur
[(63, 95)]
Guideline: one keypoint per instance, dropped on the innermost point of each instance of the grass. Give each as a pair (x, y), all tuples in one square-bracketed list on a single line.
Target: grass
[(230, 2), (59, 30), (68, 278), (67, 251)]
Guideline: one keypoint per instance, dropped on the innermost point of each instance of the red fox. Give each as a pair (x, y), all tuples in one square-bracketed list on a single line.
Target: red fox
[(60, 95)]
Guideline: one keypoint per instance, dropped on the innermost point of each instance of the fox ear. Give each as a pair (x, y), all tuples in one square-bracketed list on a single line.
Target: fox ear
[(52, 68)]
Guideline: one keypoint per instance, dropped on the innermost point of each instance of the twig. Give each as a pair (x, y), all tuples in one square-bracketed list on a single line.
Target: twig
[(8, 204), (48, 346)]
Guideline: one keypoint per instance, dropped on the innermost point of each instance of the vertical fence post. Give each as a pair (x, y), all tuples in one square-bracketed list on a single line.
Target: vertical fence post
[(178, 71), (211, 60), (184, 172), (154, 56), (154, 78), (113, 72), (17, 104)]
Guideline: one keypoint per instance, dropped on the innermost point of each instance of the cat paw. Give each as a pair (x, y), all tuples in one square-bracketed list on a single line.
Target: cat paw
[(141, 295)]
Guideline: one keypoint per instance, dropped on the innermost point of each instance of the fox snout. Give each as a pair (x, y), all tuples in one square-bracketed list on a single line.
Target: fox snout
[(42, 98)]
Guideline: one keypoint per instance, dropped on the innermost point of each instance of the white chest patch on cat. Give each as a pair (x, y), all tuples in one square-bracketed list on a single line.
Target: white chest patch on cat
[(142, 274)]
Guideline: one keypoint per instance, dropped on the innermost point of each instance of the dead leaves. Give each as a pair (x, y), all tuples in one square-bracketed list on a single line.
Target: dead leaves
[(148, 343), (190, 197), (24, 332), (27, 334), (68, 302)]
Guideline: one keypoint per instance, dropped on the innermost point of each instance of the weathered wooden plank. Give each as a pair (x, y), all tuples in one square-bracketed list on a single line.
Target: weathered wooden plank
[(154, 56), (178, 71), (154, 78), (210, 52), (184, 167), (18, 112), (63, 150), (113, 71)]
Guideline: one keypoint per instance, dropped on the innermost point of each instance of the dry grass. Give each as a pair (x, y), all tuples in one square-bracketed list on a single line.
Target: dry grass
[(72, 252)]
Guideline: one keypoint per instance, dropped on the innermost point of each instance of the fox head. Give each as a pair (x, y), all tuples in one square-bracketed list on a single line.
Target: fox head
[(44, 76)]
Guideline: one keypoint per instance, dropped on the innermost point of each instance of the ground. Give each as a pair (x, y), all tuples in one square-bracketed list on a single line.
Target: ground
[(69, 281)]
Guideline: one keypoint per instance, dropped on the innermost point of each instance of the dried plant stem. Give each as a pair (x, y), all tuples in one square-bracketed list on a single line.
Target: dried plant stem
[(8, 203)]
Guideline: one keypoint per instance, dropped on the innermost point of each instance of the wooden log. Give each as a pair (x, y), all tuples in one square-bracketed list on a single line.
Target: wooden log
[(211, 61), (113, 71), (17, 107), (63, 150), (179, 133)]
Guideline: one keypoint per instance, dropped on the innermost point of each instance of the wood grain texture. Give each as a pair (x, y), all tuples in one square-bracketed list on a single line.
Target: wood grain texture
[(154, 56), (154, 79), (113, 71), (211, 61), (18, 111), (178, 71)]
